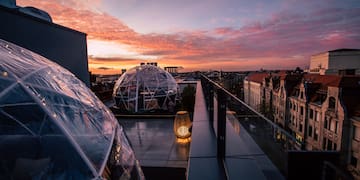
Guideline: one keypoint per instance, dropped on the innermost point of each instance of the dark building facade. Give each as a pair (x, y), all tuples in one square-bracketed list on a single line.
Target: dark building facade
[(60, 44)]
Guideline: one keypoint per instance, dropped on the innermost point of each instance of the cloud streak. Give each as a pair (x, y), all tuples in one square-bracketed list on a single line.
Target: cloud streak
[(104, 68), (284, 40)]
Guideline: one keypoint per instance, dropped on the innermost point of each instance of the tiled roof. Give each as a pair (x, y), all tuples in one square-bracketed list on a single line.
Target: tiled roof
[(257, 77), (291, 81), (350, 85), (318, 84), (324, 80), (332, 80)]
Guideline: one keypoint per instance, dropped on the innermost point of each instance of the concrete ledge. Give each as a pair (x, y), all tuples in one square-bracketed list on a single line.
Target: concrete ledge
[(203, 163), (203, 141), (204, 168)]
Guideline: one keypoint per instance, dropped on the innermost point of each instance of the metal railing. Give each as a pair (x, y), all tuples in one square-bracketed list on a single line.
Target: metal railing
[(273, 140)]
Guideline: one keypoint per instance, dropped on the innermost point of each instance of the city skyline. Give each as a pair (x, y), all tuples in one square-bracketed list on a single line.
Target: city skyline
[(221, 35)]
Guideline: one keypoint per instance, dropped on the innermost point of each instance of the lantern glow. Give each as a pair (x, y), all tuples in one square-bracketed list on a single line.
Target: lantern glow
[(183, 130)]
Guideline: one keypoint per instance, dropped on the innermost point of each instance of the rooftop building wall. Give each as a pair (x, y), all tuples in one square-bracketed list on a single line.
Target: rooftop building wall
[(336, 61), (64, 46)]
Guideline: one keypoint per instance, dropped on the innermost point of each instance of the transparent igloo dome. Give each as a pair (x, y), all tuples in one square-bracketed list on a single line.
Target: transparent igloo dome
[(53, 127), (146, 88)]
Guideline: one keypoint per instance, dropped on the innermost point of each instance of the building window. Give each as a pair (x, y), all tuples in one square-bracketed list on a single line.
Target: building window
[(326, 122), (302, 95), (329, 145), (333, 126), (311, 115), (353, 161), (316, 115), (335, 146), (300, 127), (301, 110), (310, 131), (332, 103), (293, 120), (324, 143), (336, 127), (316, 132)]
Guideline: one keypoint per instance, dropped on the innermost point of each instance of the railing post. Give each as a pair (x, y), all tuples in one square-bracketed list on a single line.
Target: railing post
[(211, 103), (221, 120)]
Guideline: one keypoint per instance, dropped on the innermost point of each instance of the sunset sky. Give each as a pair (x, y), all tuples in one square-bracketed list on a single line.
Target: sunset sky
[(229, 35)]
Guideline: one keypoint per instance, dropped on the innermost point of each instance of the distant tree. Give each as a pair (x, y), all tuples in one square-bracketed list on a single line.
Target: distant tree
[(188, 98), (298, 70)]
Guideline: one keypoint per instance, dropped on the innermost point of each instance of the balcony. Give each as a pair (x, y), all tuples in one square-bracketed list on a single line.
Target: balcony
[(331, 112)]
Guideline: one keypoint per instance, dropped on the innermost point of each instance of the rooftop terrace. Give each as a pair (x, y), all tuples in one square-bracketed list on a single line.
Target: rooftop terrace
[(157, 148), (229, 140)]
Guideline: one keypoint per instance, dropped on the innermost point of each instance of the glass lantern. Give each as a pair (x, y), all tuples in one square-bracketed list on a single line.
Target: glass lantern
[(182, 125)]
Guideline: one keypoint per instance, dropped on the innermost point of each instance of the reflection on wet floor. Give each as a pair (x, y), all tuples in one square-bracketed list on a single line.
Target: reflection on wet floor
[(154, 142)]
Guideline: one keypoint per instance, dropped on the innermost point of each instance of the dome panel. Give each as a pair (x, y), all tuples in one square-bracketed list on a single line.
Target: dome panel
[(14, 95), (5, 83), (9, 126), (30, 116), (64, 158), (24, 69), (40, 79), (49, 128)]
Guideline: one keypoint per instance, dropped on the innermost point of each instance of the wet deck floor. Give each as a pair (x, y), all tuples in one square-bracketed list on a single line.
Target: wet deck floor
[(154, 142)]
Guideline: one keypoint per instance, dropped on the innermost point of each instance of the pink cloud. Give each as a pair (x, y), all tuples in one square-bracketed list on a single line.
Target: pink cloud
[(285, 40)]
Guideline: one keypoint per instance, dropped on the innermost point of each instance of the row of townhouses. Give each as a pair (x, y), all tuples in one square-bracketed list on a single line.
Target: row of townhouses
[(320, 108)]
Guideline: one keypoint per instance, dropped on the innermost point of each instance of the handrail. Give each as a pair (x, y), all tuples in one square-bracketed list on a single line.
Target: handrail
[(254, 111)]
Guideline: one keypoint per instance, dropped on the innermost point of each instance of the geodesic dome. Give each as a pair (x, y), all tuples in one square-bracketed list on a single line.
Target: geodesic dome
[(145, 88), (53, 127)]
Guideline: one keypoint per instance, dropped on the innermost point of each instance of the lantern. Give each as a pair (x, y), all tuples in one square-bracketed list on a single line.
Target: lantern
[(182, 125)]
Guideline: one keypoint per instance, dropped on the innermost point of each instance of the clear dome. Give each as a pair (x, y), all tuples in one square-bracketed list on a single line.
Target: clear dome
[(53, 127), (146, 88)]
